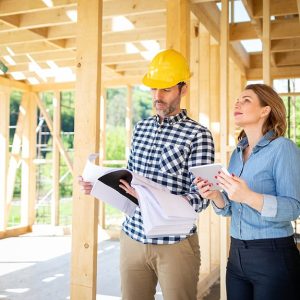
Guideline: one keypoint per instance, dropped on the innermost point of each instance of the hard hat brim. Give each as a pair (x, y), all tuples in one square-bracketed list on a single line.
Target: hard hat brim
[(158, 84)]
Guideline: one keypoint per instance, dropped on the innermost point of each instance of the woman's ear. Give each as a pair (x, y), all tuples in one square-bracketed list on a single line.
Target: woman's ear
[(266, 110)]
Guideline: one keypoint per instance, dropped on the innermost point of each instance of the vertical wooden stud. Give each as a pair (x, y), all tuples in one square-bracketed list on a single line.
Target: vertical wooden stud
[(102, 216), (56, 160), (28, 188), (87, 124), (224, 70), (178, 32), (4, 150), (266, 43)]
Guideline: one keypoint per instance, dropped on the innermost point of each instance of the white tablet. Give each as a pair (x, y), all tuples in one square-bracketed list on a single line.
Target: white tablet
[(208, 172)]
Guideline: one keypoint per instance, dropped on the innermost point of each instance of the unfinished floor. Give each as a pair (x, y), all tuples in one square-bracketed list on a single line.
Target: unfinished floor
[(37, 267)]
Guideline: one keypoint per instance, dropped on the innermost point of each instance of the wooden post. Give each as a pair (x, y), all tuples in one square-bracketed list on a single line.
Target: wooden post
[(15, 151), (4, 150), (55, 201), (204, 117), (266, 43), (194, 66), (224, 70), (28, 184), (128, 125), (178, 31), (87, 124), (204, 62), (102, 150), (215, 129)]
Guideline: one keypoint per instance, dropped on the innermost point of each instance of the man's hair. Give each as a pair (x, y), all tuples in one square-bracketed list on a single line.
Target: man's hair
[(181, 85)]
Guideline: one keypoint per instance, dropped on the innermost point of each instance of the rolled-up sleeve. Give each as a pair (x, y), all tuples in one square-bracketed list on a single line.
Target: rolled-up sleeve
[(202, 153), (226, 210), (285, 206)]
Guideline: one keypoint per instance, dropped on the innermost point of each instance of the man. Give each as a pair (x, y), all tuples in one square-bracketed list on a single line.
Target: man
[(163, 148)]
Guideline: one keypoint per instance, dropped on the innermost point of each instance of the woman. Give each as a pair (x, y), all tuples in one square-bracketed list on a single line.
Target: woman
[(262, 196)]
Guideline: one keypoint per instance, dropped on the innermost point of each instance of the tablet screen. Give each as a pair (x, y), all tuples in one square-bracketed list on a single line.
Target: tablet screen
[(208, 172)]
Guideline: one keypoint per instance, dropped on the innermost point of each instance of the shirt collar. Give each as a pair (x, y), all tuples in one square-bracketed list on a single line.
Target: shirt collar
[(174, 119), (264, 141)]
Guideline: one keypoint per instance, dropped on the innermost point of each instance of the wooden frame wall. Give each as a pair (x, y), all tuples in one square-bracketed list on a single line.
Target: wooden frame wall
[(210, 99)]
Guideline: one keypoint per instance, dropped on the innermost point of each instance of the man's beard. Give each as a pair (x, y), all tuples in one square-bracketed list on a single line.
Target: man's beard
[(167, 111)]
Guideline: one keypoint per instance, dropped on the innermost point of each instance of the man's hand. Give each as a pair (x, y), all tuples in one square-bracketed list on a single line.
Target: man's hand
[(128, 188), (85, 186)]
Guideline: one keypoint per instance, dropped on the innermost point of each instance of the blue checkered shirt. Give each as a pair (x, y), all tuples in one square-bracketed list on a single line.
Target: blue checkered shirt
[(164, 153)]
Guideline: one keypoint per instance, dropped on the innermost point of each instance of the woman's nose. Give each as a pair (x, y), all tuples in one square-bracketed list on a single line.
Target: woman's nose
[(237, 103)]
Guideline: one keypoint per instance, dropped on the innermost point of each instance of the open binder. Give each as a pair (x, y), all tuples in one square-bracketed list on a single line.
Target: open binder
[(163, 213)]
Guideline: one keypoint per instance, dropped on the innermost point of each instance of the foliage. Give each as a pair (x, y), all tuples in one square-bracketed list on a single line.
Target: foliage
[(115, 145), (293, 118), (15, 100)]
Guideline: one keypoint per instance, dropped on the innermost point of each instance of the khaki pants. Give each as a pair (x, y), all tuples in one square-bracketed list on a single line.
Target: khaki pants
[(175, 266)]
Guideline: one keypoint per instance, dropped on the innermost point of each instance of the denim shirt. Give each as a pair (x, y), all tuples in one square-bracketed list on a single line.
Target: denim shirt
[(272, 169)]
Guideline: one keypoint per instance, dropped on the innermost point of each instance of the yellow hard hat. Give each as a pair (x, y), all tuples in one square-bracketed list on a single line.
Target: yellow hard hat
[(166, 69)]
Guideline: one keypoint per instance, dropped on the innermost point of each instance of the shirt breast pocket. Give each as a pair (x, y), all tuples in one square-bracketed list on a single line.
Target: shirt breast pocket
[(172, 159)]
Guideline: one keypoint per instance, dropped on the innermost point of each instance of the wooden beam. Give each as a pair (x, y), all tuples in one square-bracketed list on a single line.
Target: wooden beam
[(129, 7), (209, 16), (88, 90), (276, 73), (53, 86), (280, 29), (34, 47), (4, 157), (282, 59), (15, 231), (224, 83), (134, 36), (178, 32), (285, 29), (32, 32), (257, 24), (110, 8), (59, 18), (13, 7), (21, 86), (57, 140), (288, 58), (285, 45), (242, 31), (266, 43), (28, 183), (277, 8), (55, 199), (66, 32)]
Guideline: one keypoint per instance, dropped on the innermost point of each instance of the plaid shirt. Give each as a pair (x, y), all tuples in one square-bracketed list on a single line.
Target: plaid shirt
[(163, 153)]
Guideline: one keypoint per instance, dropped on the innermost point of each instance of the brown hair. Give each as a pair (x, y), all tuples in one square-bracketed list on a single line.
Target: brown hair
[(276, 119)]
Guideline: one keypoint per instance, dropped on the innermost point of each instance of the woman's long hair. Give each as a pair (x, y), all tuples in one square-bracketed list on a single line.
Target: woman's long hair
[(276, 119)]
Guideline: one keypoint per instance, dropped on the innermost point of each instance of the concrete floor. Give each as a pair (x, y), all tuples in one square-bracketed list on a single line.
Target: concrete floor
[(38, 268)]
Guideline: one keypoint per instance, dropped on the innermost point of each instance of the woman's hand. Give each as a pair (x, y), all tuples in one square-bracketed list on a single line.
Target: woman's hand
[(85, 186), (128, 188), (205, 191), (238, 191), (235, 187)]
